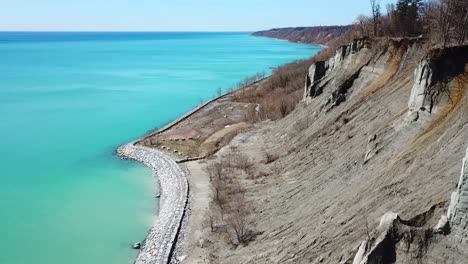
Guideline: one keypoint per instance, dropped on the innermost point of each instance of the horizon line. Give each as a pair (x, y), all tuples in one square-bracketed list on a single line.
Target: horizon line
[(126, 31), (161, 31)]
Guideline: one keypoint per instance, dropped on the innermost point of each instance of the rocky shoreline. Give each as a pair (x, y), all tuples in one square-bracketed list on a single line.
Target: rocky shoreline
[(159, 245), (165, 242)]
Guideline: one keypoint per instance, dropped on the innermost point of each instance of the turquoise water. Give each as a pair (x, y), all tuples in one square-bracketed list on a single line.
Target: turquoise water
[(67, 100)]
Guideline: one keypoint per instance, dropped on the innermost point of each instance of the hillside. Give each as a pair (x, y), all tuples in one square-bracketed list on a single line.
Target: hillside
[(353, 156), (322, 35), (382, 127)]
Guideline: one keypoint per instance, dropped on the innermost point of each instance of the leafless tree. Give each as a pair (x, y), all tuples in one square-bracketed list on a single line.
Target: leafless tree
[(364, 25), (215, 171), (446, 21), (459, 19), (437, 19), (375, 6), (238, 218)]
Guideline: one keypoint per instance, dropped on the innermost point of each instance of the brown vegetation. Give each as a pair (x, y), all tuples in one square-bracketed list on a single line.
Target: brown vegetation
[(279, 94), (324, 35), (443, 22), (229, 200), (446, 21)]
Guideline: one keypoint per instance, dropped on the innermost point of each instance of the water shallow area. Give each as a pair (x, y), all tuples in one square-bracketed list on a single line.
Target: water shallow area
[(67, 100)]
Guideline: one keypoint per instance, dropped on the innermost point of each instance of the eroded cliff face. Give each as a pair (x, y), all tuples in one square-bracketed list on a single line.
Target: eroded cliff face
[(396, 240), (353, 151), (339, 71), (432, 91), (422, 81), (432, 76), (458, 208)]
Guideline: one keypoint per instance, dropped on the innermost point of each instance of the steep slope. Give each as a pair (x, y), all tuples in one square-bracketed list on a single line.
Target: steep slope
[(376, 133), (324, 35)]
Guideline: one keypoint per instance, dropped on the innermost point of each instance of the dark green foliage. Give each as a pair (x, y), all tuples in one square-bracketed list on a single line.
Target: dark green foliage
[(408, 17)]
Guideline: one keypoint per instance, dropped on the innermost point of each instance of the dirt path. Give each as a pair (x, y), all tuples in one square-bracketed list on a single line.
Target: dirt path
[(200, 196)]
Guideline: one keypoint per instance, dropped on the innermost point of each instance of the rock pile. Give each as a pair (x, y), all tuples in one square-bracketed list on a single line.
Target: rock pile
[(159, 244)]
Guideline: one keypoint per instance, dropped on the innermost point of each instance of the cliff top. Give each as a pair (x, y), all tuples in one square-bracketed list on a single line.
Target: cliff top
[(322, 35)]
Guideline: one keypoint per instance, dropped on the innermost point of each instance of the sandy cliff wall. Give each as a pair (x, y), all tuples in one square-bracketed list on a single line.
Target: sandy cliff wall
[(337, 72), (349, 154), (432, 77)]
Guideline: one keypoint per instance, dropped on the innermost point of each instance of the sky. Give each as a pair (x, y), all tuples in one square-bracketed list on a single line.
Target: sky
[(176, 15)]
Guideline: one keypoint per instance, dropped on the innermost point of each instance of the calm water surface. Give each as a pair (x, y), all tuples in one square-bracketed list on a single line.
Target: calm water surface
[(67, 100)]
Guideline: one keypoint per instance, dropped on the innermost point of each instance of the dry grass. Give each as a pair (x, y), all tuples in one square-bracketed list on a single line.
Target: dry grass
[(231, 212), (279, 94)]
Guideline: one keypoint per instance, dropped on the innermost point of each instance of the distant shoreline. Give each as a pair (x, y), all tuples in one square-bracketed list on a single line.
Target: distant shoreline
[(291, 41)]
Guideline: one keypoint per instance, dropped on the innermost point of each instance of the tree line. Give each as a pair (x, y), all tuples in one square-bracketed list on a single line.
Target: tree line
[(443, 22)]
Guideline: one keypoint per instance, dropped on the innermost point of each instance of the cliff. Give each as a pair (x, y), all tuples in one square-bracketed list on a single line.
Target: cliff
[(366, 164), (323, 35)]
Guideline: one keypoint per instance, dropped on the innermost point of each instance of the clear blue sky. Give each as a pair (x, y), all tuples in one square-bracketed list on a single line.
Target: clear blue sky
[(176, 15)]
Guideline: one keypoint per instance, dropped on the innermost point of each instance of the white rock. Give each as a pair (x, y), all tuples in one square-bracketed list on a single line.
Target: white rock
[(442, 224), (387, 219)]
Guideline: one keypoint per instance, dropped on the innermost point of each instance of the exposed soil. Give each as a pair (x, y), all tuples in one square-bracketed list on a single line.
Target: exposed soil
[(321, 177), (207, 130)]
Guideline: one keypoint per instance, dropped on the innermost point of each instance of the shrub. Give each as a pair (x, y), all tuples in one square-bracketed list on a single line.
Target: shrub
[(238, 218)]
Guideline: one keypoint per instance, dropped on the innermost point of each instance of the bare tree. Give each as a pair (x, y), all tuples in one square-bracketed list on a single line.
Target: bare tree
[(446, 21), (459, 19), (216, 176), (238, 218), (283, 107), (437, 16), (391, 17), (364, 25), (375, 6)]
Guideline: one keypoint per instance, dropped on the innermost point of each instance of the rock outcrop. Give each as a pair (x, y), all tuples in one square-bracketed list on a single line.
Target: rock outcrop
[(357, 158), (322, 73), (394, 234), (431, 78), (422, 81), (458, 209)]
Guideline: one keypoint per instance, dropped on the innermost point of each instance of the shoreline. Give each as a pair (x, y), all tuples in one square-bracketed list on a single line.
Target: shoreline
[(193, 111), (158, 246), (296, 42), (162, 244)]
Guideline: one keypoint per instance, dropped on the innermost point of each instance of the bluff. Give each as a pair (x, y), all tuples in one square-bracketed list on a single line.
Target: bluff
[(323, 35), (366, 163)]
